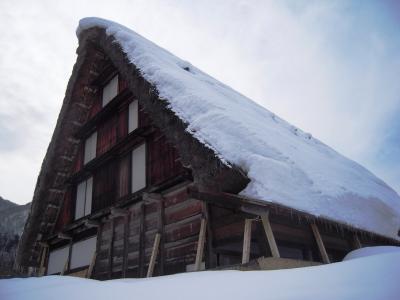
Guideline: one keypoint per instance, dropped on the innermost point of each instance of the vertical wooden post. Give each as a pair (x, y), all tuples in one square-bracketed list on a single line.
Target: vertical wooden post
[(154, 254), (320, 243), (65, 266), (270, 235), (98, 241), (161, 221), (246, 241), (200, 245), (42, 269), (356, 242), (91, 266), (110, 249), (211, 257), (126, 244), (67, 263), (142, 233)]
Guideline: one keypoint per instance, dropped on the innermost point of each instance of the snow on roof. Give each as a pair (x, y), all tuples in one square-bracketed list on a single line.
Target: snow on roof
[(368, 278), (285, 165)]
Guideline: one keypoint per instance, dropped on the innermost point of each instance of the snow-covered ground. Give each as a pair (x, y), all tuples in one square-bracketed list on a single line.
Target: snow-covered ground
[(285, 165), (375, 275)]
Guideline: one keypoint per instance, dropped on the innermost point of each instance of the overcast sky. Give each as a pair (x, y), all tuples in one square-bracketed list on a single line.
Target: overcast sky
[(331, 68)]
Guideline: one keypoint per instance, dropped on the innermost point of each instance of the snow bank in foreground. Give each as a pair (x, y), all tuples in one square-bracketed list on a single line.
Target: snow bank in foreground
[(373, 277), (285, 165), (368, 251)]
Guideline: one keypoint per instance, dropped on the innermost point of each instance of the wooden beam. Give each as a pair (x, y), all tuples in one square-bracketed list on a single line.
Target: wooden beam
[(98, 239), (320, 243), (91, 266), (65, 267), (356, 242), (211, 257), (111, 250), (154, 254), (253, 210), (142, 237), (200, 245), (92, 223), (118, 212), (152, 197), (246, 241), (126, 245), (42, 269), (64, 236), (270, 235), (161, 221)]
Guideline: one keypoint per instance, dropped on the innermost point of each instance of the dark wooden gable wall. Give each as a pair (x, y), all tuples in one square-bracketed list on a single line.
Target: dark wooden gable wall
[(111, 176)]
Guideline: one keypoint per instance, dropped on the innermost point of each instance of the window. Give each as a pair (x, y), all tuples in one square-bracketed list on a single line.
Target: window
[(133, 118), (57, 260), (110, 90), (90, 148), (82, 252), (139, 168), (83, 204)]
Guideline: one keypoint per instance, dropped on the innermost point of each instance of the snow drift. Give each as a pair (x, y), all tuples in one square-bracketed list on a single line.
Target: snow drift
[(367, 278), (285, 165)]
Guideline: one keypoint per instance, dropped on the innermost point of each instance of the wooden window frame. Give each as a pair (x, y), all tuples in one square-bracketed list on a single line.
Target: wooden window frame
[(145, 168), (88, 157), (85, 206), (133, 120), (111, 84)]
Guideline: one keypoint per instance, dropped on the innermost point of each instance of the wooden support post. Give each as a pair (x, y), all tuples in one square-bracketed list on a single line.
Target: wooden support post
[(65, 267), (154, 254), (42, 269), (211, 257), (126, 245), (356, 242), (91, 266), (246, 241), (200, 245), (270, 235), (161, 221), (98, 239), (320, 243), (111, 250), (142, 237)]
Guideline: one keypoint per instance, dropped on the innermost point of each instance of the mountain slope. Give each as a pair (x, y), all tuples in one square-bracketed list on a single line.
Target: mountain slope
[(12, 217), (12, 221)]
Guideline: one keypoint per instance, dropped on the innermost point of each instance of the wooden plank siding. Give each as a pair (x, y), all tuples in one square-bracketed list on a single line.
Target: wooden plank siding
[(180, 237), (107, 134), (104, 186), (66, 212)]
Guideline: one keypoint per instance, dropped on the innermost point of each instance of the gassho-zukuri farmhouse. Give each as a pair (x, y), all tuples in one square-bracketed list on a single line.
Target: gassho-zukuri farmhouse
[(156, 168)]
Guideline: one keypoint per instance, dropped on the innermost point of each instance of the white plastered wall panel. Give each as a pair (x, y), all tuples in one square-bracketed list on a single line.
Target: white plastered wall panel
[(89, 192), (57, 260), (90, 148), (139, 168), (82, 252), (133, 116), (110, 90), (80, 200)]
